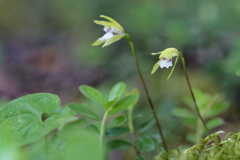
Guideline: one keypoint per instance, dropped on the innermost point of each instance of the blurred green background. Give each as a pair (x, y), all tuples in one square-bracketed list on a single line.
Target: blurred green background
[(45, 46)]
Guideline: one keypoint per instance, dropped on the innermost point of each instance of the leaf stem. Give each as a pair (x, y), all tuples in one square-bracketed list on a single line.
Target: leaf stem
[(193, 97), (102, 127), (128, 38), (131, 128)]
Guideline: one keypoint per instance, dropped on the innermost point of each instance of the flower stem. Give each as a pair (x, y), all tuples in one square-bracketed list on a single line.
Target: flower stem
[(102, 127), (128, 38), (193, 97)]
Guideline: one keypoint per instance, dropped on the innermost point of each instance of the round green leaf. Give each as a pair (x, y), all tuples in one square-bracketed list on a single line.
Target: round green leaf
[(93, 129), (118, 144), (83, 111), (93, 94), (117, 90), (22, 117)]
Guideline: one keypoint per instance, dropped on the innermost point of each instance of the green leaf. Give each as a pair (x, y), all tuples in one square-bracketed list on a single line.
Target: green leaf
[(117, 131), (22, 117), (192, 138), (145, 143), (219, 108), (116, 122), (123, 104), (118, 144), (238, 72), (54, 122), (190, 122), (145, 125), (182, 112), (216, 122), (83, 111), (93, 129), (109, 105), (93, 94), (70, 144), (117, 91)]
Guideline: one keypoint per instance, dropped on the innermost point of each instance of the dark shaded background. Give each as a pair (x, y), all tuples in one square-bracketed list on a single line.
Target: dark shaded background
[(45, 46)]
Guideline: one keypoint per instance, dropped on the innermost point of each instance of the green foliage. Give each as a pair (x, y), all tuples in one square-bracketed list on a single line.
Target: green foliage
[(118, 144), (115, 122), (93, 94), (83, 111), (209, 107), (238, 72), (117, 131), (145, 143), (23, 117)]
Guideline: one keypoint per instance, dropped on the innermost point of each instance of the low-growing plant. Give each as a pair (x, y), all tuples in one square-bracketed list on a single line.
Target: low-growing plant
[(36, 126)]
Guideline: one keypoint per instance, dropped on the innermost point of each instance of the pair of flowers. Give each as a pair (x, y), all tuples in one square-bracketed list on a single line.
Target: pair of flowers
[(115, 32)]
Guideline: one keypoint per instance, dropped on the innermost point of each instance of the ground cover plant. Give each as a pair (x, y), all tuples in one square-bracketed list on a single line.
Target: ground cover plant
[(36, 126)]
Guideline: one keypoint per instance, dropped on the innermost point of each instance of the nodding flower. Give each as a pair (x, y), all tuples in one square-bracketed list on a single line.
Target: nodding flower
[(113, 29), (165, 59)]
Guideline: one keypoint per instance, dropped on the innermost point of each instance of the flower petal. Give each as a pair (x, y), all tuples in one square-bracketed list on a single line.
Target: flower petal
[(112, 40), (98, 42), (106, 36), (155, 67), (169, 53), (156, 53), (113, 21), (172, 68), (165, 63), (106, 29), (107, 24)]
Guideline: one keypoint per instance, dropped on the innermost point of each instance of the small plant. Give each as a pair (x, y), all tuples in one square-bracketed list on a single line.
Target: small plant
[(209, 107)]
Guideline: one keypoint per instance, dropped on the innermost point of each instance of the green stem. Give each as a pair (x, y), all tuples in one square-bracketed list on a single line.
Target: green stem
[(190, 88), (102, 127), (130, 125), (131, 128), (128, 38)]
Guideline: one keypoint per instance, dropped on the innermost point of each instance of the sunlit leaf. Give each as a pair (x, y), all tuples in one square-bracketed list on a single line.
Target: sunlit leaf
[(117, 91), (93, 94), (83, 111), (108, 106), (123, 104)]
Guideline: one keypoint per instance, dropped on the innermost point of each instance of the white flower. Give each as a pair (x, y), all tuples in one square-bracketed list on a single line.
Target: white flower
[(114, 32), (165, 59), (165, 63)]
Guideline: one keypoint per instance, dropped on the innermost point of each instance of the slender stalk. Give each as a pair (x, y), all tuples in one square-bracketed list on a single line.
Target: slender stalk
[(146, 91), (102, 127), (193, 97), (131, 128)]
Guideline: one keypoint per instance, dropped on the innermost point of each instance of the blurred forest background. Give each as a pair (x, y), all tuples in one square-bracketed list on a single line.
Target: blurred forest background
[(45, 46)]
